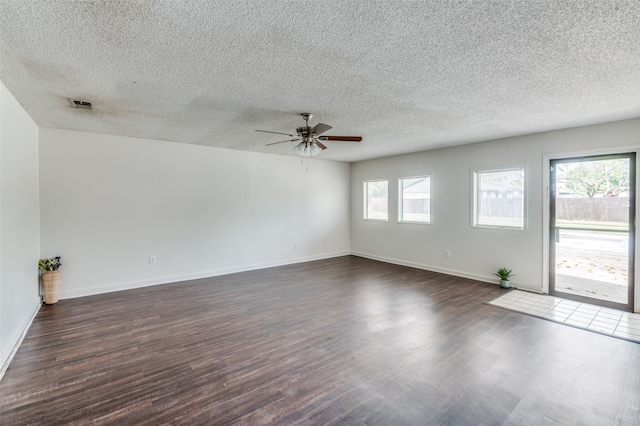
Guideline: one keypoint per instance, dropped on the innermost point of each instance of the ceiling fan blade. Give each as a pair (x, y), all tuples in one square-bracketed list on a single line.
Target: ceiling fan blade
[(276, 133), (320, 144), (320, 128), (341, 138), (288, 140)]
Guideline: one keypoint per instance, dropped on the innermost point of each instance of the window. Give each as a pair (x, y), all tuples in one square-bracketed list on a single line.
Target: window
[(499, 199), (414, 205), (376, 200)]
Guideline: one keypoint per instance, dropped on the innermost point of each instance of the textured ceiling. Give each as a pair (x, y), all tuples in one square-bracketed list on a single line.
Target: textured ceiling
[(407, 76)]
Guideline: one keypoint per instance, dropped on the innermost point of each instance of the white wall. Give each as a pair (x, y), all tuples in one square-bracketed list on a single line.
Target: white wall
[(19, 222), (109, 202), (476, 253)]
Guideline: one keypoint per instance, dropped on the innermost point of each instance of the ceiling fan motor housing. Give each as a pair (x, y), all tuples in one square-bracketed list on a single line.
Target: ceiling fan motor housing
[(304, 131)]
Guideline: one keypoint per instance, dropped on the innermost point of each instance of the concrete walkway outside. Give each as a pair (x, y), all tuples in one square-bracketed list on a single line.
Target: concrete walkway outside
[(593, 264)]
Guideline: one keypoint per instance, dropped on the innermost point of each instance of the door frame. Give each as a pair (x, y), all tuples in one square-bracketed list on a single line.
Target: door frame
[(628, 306), (546, 214)]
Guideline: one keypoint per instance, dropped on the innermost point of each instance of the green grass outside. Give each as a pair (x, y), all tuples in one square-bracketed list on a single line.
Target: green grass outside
[(595, 226)]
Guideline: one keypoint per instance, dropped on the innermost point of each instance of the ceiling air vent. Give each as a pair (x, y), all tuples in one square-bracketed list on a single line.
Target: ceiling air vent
[(80, 104)]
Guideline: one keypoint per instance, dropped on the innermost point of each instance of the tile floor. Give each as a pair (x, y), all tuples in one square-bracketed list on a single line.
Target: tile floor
[(582, 315)]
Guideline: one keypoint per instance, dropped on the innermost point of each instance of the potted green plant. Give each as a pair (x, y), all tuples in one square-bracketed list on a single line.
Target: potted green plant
[(51, 278), (504, 274)]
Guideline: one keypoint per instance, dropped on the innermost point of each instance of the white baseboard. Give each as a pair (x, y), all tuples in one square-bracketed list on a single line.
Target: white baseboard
[(431, 268), (455, 273), (90, 291), (18, 338)]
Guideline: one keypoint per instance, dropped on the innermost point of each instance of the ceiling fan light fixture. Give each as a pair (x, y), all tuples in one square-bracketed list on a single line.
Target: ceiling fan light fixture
[(307, 149)]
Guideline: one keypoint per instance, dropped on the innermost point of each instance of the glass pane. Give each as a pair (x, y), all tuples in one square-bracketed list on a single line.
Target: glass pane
[(377, 200), (500, 198), (593, 194), (592, 229), (593, 264), (415, 199)]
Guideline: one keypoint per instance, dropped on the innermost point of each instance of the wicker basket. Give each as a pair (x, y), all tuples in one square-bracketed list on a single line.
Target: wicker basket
[(51, 285)]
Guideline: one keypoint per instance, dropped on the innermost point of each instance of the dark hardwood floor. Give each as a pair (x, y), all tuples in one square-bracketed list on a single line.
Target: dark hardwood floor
[(338, 341)]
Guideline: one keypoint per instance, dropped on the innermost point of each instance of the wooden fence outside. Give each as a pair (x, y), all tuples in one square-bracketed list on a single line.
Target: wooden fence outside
[(501, 207), (608, 209)]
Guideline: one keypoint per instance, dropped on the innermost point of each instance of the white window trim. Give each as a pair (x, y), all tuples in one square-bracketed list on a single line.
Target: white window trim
[(400, 201), (525, 196), (366, 203)]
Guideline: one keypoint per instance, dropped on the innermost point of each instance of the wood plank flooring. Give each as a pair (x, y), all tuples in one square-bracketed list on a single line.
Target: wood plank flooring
[(338, 341)]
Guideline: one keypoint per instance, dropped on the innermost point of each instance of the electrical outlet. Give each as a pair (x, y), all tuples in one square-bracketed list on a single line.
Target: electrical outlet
[(296, 247), (152, 260), (447, 253)]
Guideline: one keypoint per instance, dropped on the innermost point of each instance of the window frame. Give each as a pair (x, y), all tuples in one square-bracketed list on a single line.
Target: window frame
[(366, 200), (475, 173), (401, 201)]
